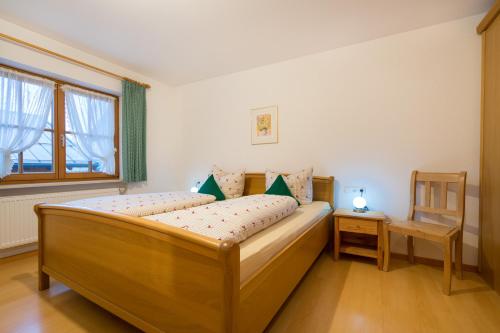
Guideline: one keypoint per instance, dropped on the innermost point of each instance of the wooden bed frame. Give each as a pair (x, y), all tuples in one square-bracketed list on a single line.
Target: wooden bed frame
[(165, 279)]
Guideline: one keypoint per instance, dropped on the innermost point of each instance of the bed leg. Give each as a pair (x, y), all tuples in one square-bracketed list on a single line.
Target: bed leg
[(43, 278), (43, 281)]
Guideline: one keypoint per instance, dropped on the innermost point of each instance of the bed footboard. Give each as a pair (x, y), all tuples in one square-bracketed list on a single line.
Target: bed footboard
[(158, 278)]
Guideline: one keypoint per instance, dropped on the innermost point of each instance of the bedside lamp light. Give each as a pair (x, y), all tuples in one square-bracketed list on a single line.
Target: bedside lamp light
[(196, 187), (359, 203)]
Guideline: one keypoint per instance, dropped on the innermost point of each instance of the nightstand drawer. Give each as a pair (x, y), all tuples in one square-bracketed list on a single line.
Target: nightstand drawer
[(358, 225)]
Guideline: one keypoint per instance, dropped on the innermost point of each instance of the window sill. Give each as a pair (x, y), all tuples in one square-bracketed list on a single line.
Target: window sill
[(57, 184)]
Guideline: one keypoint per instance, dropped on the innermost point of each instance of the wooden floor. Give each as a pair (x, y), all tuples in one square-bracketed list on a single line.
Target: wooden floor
[(343, 296)]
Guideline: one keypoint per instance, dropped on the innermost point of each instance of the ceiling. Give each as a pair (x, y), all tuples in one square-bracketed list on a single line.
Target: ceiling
[(181, 41)]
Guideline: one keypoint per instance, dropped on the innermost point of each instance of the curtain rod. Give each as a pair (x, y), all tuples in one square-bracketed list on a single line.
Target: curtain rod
[(68, 59)]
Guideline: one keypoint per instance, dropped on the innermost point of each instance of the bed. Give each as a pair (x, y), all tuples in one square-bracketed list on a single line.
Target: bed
[(165, 279)]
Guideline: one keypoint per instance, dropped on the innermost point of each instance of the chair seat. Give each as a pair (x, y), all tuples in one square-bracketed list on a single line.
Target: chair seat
[(430, 231)]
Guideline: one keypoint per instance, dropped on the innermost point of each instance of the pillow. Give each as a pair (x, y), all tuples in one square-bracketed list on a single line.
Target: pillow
[(231, 184), (299, 183), (279, 187), (211, 187)]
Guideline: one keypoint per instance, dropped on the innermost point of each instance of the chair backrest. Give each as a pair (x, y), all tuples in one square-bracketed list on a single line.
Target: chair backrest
[(442, 180)]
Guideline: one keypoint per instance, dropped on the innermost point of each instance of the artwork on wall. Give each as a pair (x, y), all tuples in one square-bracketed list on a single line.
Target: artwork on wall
[(264, 123)]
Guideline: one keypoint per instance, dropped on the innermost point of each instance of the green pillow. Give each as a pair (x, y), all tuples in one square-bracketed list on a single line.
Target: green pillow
[(210, 187), (279, 187)]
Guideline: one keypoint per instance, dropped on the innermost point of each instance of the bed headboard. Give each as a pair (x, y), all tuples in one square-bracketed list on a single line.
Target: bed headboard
[(255, 183)]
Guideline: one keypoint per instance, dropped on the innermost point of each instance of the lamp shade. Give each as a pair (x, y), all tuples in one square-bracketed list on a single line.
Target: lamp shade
[(359, 202), (196, 187)]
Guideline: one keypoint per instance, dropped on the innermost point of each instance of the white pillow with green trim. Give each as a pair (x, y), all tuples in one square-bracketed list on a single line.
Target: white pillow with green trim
[(299, 183), (231, 184)]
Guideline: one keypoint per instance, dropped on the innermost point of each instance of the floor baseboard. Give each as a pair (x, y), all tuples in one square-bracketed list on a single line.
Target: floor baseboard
[(17, 250)]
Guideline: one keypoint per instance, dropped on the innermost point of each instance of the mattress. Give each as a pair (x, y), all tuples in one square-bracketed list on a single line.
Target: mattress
[(257, 250)]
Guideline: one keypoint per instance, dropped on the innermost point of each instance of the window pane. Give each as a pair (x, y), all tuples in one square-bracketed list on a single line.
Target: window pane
[(39, 157), (50, 122), (75, 160), (67, 123), (15, 163), (90, 130), (26, 108), (25, 101)]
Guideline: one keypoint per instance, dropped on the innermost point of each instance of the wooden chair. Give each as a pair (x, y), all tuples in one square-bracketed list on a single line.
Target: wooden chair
[(441, 233)]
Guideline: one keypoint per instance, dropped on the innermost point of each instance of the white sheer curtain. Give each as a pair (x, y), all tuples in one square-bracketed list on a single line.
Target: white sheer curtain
[(25, 104), (92, 121)]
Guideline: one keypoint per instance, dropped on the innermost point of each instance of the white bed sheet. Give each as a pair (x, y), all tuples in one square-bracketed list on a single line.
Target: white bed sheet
[(258, 249)]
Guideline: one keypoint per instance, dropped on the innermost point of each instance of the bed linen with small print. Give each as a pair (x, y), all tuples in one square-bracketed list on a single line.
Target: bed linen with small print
[(231, 220), (140, 205)]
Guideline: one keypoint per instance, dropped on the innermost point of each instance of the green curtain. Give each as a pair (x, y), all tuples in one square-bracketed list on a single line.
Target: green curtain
[(133, 132)]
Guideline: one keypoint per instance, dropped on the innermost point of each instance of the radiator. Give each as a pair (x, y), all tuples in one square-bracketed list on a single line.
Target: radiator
[(18, 221)]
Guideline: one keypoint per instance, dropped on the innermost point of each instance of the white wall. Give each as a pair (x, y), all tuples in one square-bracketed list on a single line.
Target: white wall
[(367, 114), (162, 117)]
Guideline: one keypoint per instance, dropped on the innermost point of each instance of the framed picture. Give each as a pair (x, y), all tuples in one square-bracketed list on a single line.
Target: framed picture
[(264, 124)]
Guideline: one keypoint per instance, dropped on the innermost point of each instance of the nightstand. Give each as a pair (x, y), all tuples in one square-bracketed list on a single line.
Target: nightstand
[(359, 234)]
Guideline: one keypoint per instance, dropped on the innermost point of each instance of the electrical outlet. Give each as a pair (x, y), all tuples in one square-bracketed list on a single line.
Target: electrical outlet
[(354, 189)]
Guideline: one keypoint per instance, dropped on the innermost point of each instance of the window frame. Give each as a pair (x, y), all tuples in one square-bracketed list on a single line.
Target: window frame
[(59, 173)]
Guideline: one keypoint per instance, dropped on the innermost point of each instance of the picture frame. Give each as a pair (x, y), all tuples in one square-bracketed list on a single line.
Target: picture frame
[(264, 125)]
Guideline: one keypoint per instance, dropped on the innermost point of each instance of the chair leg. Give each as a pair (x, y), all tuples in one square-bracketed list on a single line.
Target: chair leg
[(447, 266), (387, 247), (409, 246), (458, 256)]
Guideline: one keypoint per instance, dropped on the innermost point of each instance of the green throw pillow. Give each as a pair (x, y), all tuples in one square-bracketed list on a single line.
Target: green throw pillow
[(279, 187), (210, 187)]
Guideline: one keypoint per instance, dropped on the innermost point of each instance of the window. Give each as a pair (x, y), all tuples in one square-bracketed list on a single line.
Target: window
[(55, 131)]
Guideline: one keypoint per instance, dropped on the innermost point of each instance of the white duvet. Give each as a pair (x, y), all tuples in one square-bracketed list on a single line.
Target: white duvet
[(144, 204), (233, 219)]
